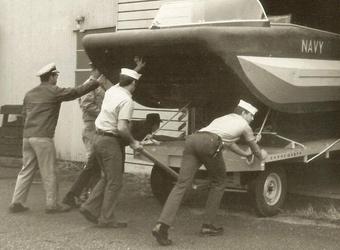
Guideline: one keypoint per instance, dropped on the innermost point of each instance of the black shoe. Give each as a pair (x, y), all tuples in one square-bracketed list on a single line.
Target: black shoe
[(112, 225), (88, 216), (17, 208), (58, 209), (160, 232), (210, 230), (70, 200)]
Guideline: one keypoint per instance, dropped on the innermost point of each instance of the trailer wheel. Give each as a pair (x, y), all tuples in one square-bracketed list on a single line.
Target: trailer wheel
[(269, 190), (161, 183)]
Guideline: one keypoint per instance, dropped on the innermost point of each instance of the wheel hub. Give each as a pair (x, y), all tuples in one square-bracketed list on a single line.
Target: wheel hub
[(272, 189)]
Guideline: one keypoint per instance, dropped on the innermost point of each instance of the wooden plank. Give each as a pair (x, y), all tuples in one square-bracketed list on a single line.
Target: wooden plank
[(135, 1), (139, 106), (129, 158), (10, 141), (152, 5), (127, 16), (134, 24), (10, 132), (11, 109), (10, 162), (10, 150), (164, 115)]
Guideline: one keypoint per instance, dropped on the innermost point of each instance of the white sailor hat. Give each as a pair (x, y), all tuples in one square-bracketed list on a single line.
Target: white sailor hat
[(247, 106), (49, 68), (131, 73)]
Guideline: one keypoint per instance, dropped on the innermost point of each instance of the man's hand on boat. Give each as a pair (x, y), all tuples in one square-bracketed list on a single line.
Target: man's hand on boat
[(258, 137), (136, 146), (264, 154)]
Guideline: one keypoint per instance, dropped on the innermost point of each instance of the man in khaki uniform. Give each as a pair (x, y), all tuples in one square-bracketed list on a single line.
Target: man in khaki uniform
[(41, 110), (205, 148), (112, 135)]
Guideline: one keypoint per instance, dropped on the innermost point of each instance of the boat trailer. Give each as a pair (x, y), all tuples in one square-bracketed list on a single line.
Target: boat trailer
[(265, 180)]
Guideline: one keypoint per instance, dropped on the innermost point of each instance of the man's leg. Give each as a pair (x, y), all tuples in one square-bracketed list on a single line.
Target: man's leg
[(91, 209), (92, 206), (46, 154), (87, 136), (26, 174), (189, 165), (91, 170), (113, 171), (217, 173)]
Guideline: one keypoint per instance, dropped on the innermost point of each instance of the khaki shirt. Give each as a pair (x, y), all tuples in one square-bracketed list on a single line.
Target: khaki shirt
[(230, 128), (91, 103), (42, 105), (117, 105)]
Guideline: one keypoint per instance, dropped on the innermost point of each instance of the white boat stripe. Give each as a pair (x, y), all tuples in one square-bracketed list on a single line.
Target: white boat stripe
[(301, 72)]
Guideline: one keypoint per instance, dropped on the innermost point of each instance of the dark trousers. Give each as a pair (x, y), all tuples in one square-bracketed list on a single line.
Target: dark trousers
[(200, 148), (88, 177), (103, 199)]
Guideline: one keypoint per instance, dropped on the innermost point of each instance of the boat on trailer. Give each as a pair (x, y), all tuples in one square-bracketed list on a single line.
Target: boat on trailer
[(210, 54)]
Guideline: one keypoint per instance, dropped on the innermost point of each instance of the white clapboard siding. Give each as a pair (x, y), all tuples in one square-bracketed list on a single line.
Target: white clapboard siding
[(138, 6), (134, 24), (140, 15), (135, 1), (136, 15)]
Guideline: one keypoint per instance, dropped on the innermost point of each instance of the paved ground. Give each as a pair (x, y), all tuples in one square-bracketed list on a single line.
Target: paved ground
[(37, 230)]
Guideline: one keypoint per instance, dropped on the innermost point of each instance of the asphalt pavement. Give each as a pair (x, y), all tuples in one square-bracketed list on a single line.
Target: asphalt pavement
[(243, 230)]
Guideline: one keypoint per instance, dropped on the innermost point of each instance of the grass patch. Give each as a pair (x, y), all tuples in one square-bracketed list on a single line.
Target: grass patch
[(329, 212), (312, 208)]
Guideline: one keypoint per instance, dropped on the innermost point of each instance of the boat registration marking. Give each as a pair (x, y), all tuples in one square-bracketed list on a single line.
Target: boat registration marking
[(311, 46)]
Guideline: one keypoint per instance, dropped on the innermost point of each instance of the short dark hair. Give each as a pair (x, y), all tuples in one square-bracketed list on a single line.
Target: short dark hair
[(238, 110), (46, 76), (125, 80)]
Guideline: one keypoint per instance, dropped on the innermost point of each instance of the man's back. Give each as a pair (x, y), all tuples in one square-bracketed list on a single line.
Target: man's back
[(41, 111), (42, 105)]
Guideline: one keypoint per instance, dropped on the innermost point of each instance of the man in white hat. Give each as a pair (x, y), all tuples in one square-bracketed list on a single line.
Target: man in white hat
[(112, 135), (205, 147), (90, 105), (41, 110)]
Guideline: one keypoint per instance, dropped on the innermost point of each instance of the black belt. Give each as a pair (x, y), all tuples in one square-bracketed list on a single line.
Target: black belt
[(101, 132), (219, 139), (210, 133)]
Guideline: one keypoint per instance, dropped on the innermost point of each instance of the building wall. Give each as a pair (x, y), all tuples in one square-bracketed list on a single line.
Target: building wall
[(136, 14), (36, 32)]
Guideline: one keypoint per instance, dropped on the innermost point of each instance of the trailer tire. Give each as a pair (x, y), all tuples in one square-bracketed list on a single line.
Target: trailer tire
[(269, 189), (161, 183)]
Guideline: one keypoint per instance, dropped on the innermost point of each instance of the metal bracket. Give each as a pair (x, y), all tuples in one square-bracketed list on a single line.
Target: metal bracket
[(325, 150)]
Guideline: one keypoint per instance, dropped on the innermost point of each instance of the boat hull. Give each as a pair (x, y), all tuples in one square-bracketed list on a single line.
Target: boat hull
[(287, 68)]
